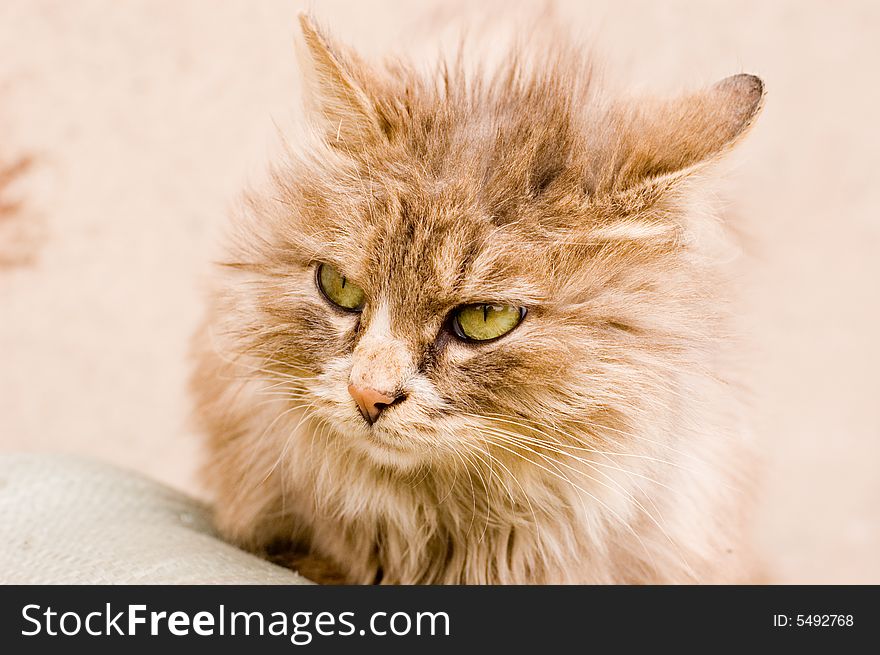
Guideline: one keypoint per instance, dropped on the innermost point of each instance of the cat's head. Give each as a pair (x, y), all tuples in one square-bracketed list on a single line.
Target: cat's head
[(468, 264)]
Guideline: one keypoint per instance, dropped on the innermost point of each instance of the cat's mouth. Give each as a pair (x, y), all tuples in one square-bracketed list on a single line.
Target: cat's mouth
[(388, 449), (385, 442), (382, 437), (398, 431)]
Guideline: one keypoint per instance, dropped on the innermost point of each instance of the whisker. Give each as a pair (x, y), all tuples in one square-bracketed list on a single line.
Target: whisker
[(503, 419)]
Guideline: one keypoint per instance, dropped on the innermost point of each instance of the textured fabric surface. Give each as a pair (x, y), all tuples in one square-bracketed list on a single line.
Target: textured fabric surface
[(76, 521)]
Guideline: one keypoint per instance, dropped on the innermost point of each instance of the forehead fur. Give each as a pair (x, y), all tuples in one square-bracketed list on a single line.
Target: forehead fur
[(464, 184)]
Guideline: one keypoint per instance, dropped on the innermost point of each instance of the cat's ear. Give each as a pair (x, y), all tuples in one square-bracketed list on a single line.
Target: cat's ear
[(664, 140), (339, 89)]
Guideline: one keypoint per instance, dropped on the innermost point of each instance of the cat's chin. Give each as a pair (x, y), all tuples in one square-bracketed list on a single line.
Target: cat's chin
[(380, 450)]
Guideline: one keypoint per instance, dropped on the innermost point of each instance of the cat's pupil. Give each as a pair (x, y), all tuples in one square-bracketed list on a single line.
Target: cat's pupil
[(485, 313), (343, 282)]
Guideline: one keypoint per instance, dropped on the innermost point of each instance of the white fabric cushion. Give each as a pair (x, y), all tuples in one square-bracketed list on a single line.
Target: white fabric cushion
[(69, 520)]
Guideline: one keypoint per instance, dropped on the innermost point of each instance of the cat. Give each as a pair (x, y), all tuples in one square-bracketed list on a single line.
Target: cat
[(474, 330)]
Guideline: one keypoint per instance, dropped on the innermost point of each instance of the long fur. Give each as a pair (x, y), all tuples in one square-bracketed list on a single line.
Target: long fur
[(600, 441)]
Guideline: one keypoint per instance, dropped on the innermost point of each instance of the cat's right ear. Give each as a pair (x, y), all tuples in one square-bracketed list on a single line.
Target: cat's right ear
[(338, 90)]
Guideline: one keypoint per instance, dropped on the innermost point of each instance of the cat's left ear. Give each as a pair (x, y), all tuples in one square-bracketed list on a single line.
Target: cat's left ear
[(339, 93), (661, 141)]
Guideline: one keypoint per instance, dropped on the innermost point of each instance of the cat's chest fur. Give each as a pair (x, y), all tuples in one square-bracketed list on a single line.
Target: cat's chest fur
[(470, 529)]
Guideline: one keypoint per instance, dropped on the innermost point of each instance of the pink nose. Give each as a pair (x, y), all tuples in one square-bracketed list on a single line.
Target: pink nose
[(372, 402)]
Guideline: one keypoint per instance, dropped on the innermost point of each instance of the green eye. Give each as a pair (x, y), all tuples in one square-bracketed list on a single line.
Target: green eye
[(483, 322), (339, 290)]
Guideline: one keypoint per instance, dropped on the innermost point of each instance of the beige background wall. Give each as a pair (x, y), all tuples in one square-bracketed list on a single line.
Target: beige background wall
[(148, 116)]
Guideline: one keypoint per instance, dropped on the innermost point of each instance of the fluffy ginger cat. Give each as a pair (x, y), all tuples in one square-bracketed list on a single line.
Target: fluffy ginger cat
[(473, 331)]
